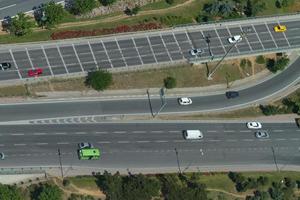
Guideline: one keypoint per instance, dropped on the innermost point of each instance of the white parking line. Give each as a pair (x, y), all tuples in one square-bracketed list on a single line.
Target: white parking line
[(47, 60), (151, 49), (14, 60), (258, 36), (271, 34), (76, 54), (90, 47), (26, 50), (62, 59)]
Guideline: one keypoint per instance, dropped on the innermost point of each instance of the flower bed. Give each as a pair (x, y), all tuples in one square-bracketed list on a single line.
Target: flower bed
[(119, 29)]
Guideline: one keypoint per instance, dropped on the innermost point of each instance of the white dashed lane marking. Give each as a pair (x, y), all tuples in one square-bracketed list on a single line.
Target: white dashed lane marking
[(41, 143), (120, 132), (39, 133), (19, 144), (138, 131), (212, 131), (161, 141), (278, 130), (17, 134), (123, 142), (80, 133), (62, 143), (103, 142), (142, 141)]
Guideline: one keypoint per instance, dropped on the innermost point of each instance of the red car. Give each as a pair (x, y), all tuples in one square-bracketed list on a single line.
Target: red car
[(35, 72)]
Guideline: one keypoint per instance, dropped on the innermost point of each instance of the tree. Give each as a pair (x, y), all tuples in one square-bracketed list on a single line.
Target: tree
[(99, 80), (281, 63), (111, 185), (107, 2), (136, 187), (262, 180), (54, 13), (170, 82), (282, 3), (83, 6), (253, 7), (8, 192), (276, 192), (48, 192), (21, 25), (219, 8)]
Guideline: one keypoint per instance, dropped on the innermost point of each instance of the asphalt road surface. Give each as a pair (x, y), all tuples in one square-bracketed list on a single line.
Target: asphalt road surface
[(138, 145), (250, 95), (150, 48), (12, 7)]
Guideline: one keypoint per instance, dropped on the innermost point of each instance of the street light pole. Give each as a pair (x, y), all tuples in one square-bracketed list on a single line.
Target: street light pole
[(274, 157)]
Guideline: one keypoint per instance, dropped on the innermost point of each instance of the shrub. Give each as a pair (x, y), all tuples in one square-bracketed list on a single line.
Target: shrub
[(99, 80), (289, 183), (170, 2), (107, 2), (170, 82), (269, 109), (260, 60)]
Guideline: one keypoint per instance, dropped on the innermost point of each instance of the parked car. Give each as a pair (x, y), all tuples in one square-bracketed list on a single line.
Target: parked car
[(184, 101), (196, 52), (2, 156), (254, 125), (280, 28), (232, 94), (35, 72), (85, 145), (261, 134), (235, 39), (5, 66)]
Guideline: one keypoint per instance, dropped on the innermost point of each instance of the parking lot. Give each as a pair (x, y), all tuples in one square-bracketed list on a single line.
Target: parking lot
[(152, 48)]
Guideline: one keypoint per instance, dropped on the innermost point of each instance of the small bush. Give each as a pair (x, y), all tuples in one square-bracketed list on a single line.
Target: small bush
[(99, 80), (170, 82), (263, 180), (260, 60), (66, 182)]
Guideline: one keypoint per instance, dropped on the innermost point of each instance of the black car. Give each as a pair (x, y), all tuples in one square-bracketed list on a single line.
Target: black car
[(232, 94), (5, 66)]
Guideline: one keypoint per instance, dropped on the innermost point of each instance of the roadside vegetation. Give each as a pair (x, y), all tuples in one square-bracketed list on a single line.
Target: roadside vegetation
[(283, 185), (82, 15)]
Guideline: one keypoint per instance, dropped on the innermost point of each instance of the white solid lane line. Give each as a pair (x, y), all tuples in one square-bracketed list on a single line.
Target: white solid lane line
[(12, 5)]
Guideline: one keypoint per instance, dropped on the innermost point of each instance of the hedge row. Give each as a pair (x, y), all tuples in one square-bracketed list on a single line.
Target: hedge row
[(119, 29)]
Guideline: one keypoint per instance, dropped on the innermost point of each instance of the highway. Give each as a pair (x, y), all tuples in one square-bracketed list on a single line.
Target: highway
[(150, 48), (248, 96), (150, 145), (12, 7)]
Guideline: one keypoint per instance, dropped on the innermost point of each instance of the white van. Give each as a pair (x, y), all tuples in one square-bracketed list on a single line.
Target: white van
[(192, 134)]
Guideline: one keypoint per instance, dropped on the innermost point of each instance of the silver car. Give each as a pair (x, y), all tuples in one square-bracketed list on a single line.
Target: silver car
[(261, 134), (85, 145), (2, 156)]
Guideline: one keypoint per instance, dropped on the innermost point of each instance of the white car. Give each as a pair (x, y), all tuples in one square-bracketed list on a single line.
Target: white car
[(196, 52), (235, 39), (254, 125), (184, 101)]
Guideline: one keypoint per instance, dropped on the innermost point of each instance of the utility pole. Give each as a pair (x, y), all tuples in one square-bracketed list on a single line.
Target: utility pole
[(162, 99), (179, 169), (60, 164), (217, 65)]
